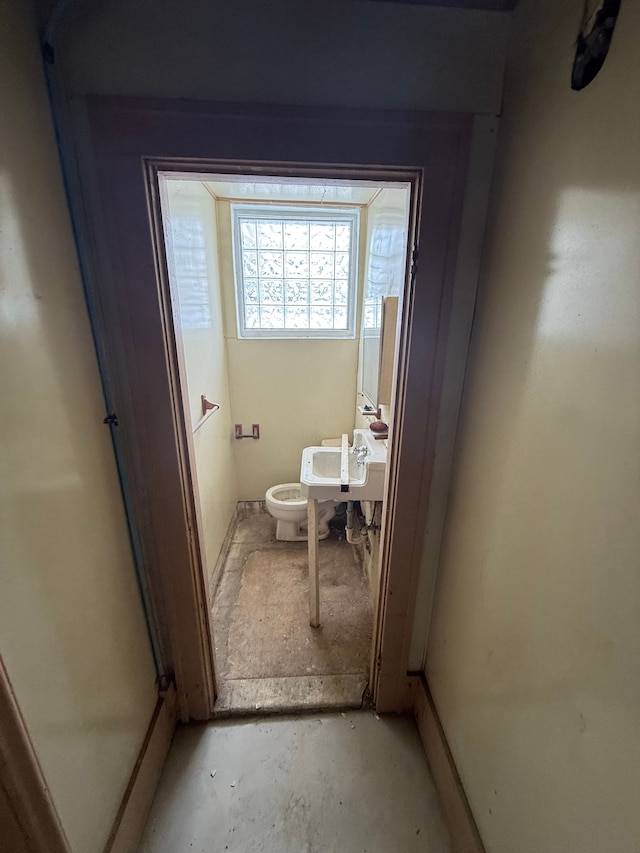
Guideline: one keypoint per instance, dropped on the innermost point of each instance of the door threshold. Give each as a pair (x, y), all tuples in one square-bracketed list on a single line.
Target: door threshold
[(291, 694)]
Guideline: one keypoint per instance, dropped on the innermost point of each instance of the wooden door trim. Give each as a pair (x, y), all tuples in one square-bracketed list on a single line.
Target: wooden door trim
[(414, 428), (24, 787), (125, 138)]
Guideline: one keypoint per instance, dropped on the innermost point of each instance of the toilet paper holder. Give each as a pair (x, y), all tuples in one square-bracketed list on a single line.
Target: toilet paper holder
[(254, 434)]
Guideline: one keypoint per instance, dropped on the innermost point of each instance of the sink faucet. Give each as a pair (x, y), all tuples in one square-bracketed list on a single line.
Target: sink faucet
[(360, 451)]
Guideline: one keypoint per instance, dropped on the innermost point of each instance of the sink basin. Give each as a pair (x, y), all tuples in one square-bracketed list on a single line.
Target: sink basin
[(320, 471), (325, 464)]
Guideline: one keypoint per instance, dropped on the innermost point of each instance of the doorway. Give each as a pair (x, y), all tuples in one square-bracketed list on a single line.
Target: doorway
[(131, 141), (277, 286)]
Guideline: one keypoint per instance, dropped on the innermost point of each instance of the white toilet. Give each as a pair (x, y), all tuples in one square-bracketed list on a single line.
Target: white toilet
[(288, 506)]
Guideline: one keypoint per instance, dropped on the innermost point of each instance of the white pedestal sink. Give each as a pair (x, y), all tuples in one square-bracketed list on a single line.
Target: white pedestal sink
[(328, 473), (320, 472)]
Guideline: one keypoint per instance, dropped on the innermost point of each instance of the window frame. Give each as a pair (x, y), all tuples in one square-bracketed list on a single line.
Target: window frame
[(296, 213)]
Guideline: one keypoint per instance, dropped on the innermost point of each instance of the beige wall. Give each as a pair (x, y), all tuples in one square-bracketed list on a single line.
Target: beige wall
[(72, 631), (299, 391), (533, 659), (205, 360), (334, 52)]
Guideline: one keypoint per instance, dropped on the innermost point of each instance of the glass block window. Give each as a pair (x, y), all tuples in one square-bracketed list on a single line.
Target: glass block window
[(295, 271)]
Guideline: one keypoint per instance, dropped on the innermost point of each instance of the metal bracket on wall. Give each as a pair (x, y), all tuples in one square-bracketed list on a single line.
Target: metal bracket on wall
[(254, 434)]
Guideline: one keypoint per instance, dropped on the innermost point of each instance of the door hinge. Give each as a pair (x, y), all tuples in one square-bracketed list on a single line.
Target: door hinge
[(111, 419), (414, 263), (164, 682)]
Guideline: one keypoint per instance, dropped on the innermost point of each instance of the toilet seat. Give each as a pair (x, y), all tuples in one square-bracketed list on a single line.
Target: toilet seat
[(289, 494), (286, 503)]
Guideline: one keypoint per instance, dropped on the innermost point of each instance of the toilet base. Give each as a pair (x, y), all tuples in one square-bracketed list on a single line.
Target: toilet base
[(296, 531), (288, 506)]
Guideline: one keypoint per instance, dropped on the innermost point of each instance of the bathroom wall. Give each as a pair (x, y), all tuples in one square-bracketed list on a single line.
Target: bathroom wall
[(191, 226), (299, 391), (533, 658), (72, 631)]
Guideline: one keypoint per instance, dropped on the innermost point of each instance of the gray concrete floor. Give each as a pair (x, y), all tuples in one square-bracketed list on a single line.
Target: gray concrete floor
[(325, 783)]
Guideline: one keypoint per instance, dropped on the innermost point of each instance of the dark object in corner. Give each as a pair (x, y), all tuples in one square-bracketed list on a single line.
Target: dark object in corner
[(379, 429), (593, 43)]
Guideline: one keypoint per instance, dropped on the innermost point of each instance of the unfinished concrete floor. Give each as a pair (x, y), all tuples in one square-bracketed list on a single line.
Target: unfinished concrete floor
[(330, 783), (267, 655)]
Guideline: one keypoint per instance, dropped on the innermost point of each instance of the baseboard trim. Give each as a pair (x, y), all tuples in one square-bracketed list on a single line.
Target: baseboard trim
[(29, 820), (465, 837), (216, 574), (133, 811)]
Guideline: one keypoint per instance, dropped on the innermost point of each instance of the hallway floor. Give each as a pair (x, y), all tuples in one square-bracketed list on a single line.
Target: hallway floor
[(328, 783), (268, 657)]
